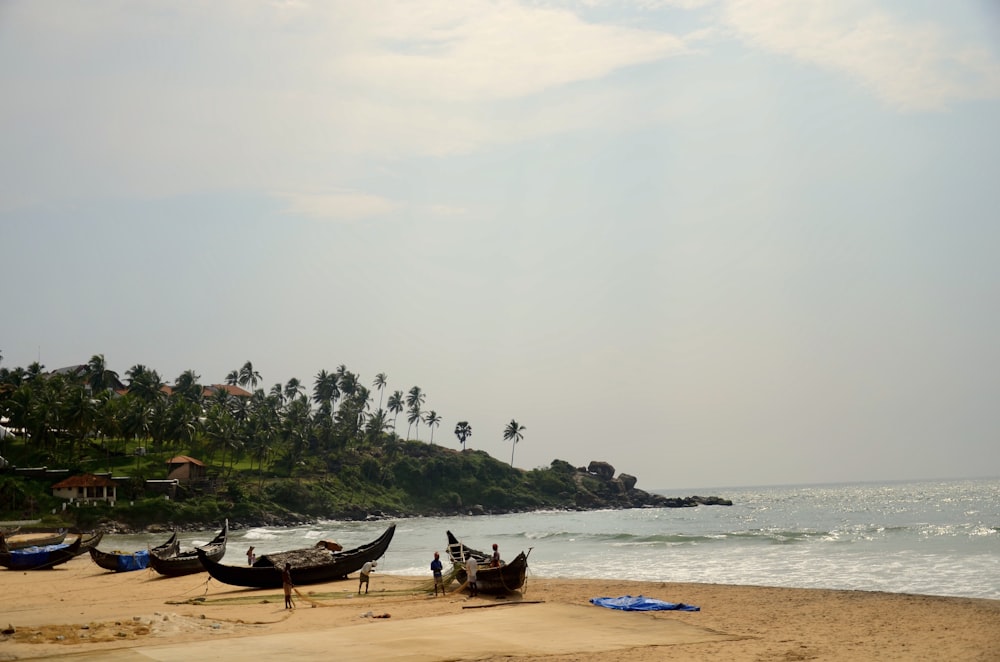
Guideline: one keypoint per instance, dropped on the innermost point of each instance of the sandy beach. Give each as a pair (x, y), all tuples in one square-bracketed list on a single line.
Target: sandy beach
[(79, 611)]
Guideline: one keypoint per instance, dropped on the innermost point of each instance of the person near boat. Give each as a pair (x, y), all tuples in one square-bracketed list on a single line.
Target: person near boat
[(437, 568)]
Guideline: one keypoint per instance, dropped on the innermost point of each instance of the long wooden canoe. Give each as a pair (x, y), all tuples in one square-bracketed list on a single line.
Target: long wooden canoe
[(507, 578), (138, 560), (186, 562), (14, 541), (312, 565), (48, 556)]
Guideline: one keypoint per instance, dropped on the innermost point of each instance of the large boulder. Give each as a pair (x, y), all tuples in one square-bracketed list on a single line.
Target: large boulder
[(602, 469), (628, 481)]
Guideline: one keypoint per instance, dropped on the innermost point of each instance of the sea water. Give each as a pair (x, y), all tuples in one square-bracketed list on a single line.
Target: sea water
[(927, 537)]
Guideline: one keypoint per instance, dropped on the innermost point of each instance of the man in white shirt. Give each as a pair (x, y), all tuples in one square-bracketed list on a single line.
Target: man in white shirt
[(366, 570)]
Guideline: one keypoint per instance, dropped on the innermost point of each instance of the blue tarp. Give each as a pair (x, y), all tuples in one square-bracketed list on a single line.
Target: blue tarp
[(639, 603), (136, 561), (29, 557)]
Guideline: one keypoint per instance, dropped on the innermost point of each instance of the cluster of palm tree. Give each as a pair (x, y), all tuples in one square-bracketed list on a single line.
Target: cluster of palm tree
[(65, 411)]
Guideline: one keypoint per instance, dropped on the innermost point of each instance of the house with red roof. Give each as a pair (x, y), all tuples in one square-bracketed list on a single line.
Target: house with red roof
[(185, 469), (86, 487)]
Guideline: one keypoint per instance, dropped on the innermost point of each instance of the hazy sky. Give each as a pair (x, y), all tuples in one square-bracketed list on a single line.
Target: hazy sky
[(714, 243)]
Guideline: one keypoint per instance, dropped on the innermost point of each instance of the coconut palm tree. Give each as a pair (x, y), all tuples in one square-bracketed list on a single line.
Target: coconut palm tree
[(413, 416), (249, 376), (98, 377), (187, 386), (293, 389), (395, 405), (325, 390), (414, 400), (463, 431), (144, 384), (513, 433), (432, 420), (380, 384)]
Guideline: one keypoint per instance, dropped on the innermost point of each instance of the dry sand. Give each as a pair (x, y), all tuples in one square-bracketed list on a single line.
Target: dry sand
[(80, 611)]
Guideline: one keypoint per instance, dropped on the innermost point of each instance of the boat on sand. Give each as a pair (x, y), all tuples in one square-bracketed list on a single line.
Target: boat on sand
[(126, 561), (177, 564), (507, 578), (311, 565), (49, 556)]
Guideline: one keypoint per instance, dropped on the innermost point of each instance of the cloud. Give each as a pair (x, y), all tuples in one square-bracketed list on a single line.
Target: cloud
[(343, 206), (910, 66), (288, 96), (485, 51)]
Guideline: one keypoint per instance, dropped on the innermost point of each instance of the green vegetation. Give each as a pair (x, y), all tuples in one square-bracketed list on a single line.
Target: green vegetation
[(273, 456)]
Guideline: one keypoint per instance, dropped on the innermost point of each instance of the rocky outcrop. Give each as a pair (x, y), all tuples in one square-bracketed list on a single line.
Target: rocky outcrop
[(602, 469), (597, 487)]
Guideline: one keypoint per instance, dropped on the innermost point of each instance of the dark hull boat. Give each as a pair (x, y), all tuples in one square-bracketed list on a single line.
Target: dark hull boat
[(496, 581), (48, 556), (313, 565), (14, 541), (186, 562), (124, 562)]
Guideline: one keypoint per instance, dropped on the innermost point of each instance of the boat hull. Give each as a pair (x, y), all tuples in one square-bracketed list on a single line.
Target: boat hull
[(325, 566), (119, 562), (494, 581), (49, 556), (179, 564)]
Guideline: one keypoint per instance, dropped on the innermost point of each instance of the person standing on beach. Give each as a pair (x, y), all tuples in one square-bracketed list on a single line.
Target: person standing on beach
[(366, 570), (251, 557), (495, 561), (471, 569), (436, 568), (286, 582)]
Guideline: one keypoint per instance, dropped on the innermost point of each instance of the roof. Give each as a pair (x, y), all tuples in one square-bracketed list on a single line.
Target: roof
[(184, 459), (231, 389), (85, 480)]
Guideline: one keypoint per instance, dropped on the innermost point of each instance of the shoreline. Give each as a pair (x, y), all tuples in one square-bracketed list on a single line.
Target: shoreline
[(80, 610)]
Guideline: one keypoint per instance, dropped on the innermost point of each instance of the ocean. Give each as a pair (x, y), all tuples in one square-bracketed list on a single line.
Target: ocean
[(925, 537)]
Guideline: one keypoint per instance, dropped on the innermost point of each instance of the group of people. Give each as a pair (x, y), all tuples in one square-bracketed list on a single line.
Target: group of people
[(471, 571), (437, 569)]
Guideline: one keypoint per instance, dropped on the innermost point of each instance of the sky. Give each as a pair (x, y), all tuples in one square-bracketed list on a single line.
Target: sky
[(711, 242)]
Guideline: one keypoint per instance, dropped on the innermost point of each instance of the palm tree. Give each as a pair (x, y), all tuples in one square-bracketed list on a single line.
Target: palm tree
[(249, 376), (432, 420), (144, 383), (413, 416), (463, 431), (325, 390), (414, 399), (378, 425), (293, 389), (233, 378), (187, 386), (513, 433), (395, 405), (380, 383), (97, 374)]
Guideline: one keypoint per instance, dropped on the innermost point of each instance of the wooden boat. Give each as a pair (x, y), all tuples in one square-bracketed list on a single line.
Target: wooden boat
[(312, 565), (48, 556), (13, 541), (177, 564), (125, 561), (497, 581)]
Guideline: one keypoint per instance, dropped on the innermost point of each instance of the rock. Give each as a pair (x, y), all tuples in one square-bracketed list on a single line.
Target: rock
[(628, 481), (602, 469)]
